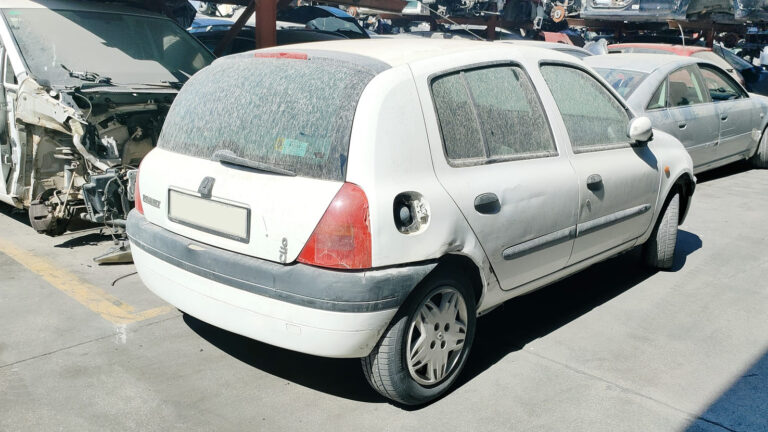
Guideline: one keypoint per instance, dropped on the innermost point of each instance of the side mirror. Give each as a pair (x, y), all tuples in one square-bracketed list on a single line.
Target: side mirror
[(640, 130)]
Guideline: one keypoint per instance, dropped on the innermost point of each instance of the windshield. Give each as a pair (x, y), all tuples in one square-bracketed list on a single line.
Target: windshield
[(60, 46), (335, 24), (289, 114), (623, 81)]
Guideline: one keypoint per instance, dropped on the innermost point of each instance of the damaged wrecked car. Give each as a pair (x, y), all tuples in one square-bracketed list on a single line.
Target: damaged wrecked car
[(86, 87)]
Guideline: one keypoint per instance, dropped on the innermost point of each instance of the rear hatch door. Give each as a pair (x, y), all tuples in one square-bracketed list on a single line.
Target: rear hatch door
[(253, 151)]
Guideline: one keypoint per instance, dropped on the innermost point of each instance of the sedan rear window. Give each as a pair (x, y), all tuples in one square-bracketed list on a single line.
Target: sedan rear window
[(291, 114), (623, 81)]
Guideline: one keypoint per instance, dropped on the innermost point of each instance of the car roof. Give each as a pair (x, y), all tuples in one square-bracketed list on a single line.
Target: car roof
[(557, 46), (681, 50), (394, 52), (77, 5), (640, 62)]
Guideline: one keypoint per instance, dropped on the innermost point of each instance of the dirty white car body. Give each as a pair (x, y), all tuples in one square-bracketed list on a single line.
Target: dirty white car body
[(337, 266), (86, 86)]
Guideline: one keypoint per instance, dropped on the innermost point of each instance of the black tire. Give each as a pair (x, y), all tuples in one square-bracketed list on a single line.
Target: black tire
[(659, 250), (386, 367), (760, 158)]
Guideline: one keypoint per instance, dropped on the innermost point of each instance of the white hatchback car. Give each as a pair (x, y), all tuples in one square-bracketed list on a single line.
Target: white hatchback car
[(371, 198)]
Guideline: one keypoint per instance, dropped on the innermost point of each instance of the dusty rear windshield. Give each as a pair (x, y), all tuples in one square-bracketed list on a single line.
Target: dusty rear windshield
[(291, 114), (623, 81)]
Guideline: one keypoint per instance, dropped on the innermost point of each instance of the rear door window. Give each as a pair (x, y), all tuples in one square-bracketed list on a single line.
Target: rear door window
[(458, 123), (685, 88), (492, 113), (292, 114)]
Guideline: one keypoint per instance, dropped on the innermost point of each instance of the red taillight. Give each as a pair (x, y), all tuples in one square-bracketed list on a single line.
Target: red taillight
[(137, 196), (342, 239)]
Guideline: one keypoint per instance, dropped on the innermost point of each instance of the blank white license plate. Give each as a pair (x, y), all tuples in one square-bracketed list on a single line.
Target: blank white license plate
[(211, 216)]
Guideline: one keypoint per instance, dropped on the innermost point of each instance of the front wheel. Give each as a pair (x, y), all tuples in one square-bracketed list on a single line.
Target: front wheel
[(425, 347), (659, 251)]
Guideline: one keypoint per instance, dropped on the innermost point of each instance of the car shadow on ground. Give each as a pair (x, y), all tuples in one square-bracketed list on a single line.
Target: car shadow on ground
[(507, 329), (724, 171)]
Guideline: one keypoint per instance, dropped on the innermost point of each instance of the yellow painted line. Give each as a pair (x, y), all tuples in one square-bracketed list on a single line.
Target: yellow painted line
[(94, 298)]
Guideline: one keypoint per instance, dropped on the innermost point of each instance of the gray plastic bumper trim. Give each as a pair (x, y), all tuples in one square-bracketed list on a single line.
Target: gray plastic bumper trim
[(300, 284)]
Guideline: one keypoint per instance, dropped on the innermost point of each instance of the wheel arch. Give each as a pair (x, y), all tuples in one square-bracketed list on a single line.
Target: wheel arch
[(685, 184)]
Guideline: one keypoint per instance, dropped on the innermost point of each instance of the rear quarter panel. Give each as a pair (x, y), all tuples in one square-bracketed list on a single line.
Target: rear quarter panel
[(390, 154)]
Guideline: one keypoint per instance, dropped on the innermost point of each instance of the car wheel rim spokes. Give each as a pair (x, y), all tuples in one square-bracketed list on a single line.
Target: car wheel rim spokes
[(436, 336)]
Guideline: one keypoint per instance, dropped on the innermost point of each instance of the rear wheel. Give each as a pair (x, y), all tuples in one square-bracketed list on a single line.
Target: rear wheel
[(760, 158), (659, 251), (425, 347)]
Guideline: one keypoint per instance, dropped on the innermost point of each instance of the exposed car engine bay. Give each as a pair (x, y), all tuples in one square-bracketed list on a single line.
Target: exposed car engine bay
[(83, 149)]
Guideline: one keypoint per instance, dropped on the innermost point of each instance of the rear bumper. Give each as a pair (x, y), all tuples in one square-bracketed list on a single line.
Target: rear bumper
[(298, 307)]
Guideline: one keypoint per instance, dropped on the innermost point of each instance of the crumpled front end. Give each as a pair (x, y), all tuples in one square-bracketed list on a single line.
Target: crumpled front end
[(80, 151)]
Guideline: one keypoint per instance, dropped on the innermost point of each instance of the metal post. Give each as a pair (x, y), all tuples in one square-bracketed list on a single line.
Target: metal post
[(710, 36), (490, 31), (266, 25), (235, 29)]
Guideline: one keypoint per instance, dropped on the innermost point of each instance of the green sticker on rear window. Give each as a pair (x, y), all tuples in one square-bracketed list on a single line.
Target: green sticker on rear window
[(312, 149), (291, 147)]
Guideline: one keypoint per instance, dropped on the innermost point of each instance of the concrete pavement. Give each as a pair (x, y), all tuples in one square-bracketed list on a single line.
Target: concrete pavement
[(613, 348)]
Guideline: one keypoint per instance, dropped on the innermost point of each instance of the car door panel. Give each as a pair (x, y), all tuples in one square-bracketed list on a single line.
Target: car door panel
[(531, 235), (618, 184), (7, 97), (735, 127), (697, 129), (618, 210), (694, 117), (522, 209), (734, 112)]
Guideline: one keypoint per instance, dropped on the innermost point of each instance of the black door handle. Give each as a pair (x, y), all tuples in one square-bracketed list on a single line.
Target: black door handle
[(487, 203), (594, 182), (724, 117), (682, 125)]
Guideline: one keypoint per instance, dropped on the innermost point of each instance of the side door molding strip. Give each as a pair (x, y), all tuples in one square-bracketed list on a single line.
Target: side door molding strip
[(539, 243), (610, 219)]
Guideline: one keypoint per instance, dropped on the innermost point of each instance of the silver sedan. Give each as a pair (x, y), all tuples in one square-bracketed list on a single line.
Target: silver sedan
[(717, 121)]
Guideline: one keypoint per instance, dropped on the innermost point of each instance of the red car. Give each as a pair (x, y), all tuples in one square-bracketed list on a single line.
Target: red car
[(682, 50)]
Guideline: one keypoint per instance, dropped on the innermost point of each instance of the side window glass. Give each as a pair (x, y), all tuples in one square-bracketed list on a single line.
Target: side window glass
[(458, 123), (659, 98), (720, 88), (593, 117), (684, 88), (10, 76), (510, 114)]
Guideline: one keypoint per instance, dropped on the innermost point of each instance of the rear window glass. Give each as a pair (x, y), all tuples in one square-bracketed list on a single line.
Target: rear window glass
[(623, 81), (287, 113), (492, 114)]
